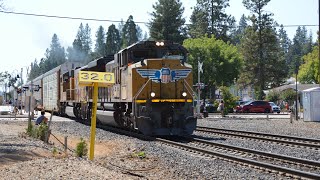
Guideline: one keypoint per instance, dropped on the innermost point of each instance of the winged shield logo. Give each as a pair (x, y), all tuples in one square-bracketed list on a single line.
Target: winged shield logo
[(164, 75)]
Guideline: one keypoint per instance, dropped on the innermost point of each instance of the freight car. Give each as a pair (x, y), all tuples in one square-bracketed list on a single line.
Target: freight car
[(44, 90), (152, 91)]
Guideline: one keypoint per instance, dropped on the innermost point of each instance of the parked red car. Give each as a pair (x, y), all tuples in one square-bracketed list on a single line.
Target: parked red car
[(256, 107), (238, 107)]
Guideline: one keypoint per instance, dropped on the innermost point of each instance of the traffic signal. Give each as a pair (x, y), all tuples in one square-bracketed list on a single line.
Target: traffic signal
[(37, 88)]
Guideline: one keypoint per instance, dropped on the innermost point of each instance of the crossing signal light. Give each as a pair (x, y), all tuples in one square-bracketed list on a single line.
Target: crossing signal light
[(19, 90)]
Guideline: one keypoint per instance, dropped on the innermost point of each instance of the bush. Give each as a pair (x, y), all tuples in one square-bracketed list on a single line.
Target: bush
[(82, 149), (54, 151), (273, 96), (288, 95), (41, 131), (140, 155), (38, 132), (228, 99)]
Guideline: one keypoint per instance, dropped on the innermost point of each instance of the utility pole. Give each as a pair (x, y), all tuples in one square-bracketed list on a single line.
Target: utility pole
[(21, 92), (319, 42), (30, 98)]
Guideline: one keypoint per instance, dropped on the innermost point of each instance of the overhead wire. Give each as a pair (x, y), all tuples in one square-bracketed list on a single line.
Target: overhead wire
[(118, 21)]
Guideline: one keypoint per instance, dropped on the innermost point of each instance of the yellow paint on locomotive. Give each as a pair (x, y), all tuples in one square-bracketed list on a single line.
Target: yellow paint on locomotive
[(170, 90)]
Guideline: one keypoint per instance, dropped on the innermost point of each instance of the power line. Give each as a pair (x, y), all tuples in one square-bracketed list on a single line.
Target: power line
[(118, 21), (64, 17)]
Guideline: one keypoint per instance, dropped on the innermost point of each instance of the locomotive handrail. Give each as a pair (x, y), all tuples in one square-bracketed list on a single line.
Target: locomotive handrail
[(135, 96), (188, 86)]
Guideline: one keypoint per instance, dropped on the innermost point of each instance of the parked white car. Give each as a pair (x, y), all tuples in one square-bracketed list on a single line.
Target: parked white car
[(4, 110), (274, 107)]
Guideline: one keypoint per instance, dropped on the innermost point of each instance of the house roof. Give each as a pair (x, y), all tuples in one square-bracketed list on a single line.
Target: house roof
[(312, 89), (300, 87)]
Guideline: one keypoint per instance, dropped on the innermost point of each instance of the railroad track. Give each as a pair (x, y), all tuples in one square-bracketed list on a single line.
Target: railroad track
[(272, 163), (280, 139), (286, 165)]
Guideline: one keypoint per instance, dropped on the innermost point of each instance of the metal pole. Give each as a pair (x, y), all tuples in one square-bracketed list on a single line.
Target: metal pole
[(319, 43), (5, 93), (31, 94), (93, 120), (21, 92), (297, 95), (198, 101)]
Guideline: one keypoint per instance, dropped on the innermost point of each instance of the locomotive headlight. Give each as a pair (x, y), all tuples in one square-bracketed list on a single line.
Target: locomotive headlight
[(152, 94), (160, 43), (184, 94)]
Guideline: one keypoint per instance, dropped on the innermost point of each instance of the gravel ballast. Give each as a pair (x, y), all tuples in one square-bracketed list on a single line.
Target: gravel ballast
[(114, 154)]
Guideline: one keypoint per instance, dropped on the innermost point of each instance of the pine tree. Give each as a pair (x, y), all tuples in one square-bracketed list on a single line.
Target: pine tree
[(285, 44), (263, 59), (199, 22), (301, 46), (113, 40), (86, 41), (129, 33), (209, 17), (56, 54), (2, 7), (81, 46), (167, 21), (100, 47), (139, 33), (237, 34)]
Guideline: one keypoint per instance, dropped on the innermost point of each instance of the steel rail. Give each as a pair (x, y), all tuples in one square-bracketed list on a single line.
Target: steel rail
[(314, 143), (277, 156), (244, 160)]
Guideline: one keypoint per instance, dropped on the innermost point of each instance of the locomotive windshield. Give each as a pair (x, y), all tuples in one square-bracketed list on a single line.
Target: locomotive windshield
[(173, 51)]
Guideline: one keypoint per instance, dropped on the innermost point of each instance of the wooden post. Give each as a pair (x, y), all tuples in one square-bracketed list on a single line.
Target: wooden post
[(48, 132), (66, 145), (93, 120)]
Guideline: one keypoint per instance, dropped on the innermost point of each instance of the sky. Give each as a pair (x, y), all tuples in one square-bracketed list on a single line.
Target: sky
[(26, 38)]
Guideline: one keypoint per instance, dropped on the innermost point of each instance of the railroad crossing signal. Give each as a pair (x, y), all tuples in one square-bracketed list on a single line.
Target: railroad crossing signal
[(95, 79)]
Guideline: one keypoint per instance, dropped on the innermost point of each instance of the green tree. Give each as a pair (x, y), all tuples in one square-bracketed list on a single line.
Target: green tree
[(139, 33), (273, 96), (56, 54), (238, 33), (100, 47), (228, 99), (301, 46), (6, 77), (288, 95), (209, 17), (199, 22), (86, 40), (264, 63), (221, 61), (167, 21), (81, 46), (2, 7), (113, 40), (34, 71), (309, 70), (129, 33), (285, 44)]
